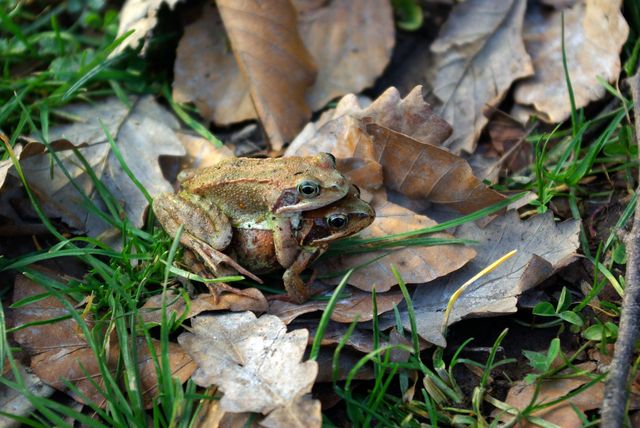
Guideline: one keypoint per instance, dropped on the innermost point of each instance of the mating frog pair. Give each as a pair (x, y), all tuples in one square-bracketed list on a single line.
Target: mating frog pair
[(259, 215)]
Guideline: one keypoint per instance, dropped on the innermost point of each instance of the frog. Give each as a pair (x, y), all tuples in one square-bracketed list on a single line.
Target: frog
[(253, 246), (269, 192)]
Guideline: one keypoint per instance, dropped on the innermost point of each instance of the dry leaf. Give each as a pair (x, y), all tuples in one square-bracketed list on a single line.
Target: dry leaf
[(351, 42), (279, 70), (478, 54), (303, 412), (360, 339), (543, 247), (346, 362), (415, 264), (13, 402), (401, 135), (356, 305), (252, 299), (201, 153), (60, 352), (206, 72), (562, 414), (361, 35), (254, 362), (595, 31), (140, 16), (142, 134)]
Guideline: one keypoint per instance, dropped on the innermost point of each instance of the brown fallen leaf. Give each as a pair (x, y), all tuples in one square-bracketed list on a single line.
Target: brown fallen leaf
[(206, 72), (142, 134), (360, 339), (346, 361), (361, 34), (358, 304), (543, 247), (251, 300), (276, 65), (59, 351), (255, 363), (13, 402), (350, 41), (562, 414), (401, 135), (478, 54), (200, 153), (416, 264), (140, 16), (595, 31)]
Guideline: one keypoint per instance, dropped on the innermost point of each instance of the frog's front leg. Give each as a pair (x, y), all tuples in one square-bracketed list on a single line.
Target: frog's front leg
[(285, 243), (207, 231), (298, 291)]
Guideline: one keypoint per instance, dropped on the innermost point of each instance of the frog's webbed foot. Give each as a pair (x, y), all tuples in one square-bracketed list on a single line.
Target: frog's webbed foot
[(216, 289), (214, 258)]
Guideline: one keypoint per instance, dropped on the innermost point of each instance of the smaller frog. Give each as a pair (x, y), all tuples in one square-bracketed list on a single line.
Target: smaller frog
[(254, 248), (241, 191)]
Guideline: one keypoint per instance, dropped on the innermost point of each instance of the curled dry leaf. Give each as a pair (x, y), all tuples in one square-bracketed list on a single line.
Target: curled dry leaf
[(361, 34), (59, 351), (254, 362), (543, 247), (478, 54), (252, 299), (140, 16), (595, 31), (357, 305), (415, 264), (401, 135), (142, 134), (563, 414), (276, 65)]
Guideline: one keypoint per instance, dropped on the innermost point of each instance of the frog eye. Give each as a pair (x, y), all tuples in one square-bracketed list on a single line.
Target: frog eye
[(309, 189), (338, 221)]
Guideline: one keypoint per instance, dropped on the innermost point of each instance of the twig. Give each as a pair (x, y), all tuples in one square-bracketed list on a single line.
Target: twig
[(615, 397)]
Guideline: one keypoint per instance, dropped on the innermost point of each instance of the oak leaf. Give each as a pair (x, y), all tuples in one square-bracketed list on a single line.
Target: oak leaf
[(255, 363), (402, 135)]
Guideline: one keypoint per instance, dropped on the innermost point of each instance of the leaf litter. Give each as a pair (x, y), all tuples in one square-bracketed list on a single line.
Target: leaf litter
[(142, 132), (60, 353), (257, 364), (401, 151), (594, 32)]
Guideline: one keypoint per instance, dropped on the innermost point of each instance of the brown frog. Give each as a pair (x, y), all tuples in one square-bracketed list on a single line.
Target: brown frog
[(254, 247), (270, 193)]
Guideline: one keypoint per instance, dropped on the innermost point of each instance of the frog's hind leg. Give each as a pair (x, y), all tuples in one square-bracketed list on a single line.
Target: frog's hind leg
[(195, 265), (206, 231)]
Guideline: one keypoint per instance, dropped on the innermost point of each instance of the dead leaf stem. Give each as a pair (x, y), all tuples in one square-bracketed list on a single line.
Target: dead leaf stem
[(615, 397)]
